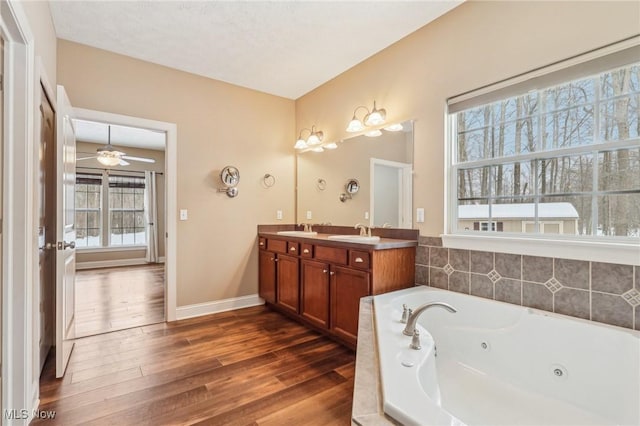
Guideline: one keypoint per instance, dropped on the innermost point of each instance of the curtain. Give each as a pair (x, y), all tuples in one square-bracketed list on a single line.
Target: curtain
[(151, 211)]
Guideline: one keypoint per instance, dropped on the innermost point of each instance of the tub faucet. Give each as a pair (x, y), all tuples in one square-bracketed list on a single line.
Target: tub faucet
[(413, 318)]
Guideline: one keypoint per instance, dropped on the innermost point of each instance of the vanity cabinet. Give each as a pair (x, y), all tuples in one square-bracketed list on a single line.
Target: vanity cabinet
[(320, 282)]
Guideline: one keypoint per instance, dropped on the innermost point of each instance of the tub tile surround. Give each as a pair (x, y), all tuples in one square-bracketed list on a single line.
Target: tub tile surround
[(603, 292)]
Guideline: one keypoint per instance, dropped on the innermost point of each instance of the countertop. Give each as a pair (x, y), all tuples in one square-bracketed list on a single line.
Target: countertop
[(383, 244)]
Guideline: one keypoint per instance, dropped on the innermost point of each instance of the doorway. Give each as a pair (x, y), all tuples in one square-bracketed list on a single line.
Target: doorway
[(46, 226), (120, 227), (391, 189)]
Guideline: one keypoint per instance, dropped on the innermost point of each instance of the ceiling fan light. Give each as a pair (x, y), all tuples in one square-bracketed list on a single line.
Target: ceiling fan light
[(109, 160), (355, 125)]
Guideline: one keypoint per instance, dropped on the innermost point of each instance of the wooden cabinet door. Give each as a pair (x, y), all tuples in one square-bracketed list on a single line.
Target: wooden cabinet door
[(314, 292), (348, 286), (267, 277), (288, 282)]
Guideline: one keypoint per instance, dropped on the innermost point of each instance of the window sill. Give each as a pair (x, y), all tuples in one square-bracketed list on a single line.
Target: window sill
[(110, 249), (627, 253)]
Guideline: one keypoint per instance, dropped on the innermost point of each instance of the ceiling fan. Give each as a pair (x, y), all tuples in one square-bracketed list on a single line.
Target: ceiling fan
[(110, 156)]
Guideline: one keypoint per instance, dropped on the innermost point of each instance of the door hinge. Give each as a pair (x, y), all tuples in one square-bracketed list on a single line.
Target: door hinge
[(1, 82)]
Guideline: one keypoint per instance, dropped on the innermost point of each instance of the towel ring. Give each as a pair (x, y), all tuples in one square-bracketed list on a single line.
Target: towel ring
[(268, 180), (321, 184)]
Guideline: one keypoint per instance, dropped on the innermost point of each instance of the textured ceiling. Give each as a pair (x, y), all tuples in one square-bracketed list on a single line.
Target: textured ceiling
[(286, 48)]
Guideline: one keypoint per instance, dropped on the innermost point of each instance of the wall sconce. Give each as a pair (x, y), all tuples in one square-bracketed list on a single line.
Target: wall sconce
[(375, 117), (315, 138)]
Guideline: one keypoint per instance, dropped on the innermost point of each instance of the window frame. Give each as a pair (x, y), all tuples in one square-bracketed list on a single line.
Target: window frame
[(613, 249), (105, 217), (99, 210)]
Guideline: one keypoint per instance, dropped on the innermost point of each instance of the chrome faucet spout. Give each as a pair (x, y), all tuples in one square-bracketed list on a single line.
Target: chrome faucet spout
[(413, 318)]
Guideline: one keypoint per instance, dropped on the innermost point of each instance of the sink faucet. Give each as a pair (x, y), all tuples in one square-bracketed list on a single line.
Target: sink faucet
[(413, 318), (307, 227), (365, 231)]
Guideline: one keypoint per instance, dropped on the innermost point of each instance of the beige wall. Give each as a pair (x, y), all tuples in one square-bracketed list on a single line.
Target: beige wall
[(218, 124), (336, 167), (44, 35), (85, 149), (476, 44)]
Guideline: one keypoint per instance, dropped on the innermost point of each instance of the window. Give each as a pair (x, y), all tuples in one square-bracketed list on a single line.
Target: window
[(127, 225), (564, 159), (122, 222), (88, 210)]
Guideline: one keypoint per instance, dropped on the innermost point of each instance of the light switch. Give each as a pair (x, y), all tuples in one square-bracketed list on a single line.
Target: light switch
[(420, 215), (183, 214), (309, 215), (279, 214)]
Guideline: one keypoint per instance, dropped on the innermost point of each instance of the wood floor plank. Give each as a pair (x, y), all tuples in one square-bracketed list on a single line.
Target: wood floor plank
[(172, 374)]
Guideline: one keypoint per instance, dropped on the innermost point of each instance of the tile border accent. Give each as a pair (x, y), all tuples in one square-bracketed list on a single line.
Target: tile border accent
[(613, 299)]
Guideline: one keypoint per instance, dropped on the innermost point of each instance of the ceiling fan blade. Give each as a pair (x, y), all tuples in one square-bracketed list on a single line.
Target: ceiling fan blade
[(141, 159), (86, 158), (124, 163)]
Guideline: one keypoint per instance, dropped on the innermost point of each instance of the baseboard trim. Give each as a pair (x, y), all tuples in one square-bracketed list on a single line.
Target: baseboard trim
[(110, 263), (199, 309)]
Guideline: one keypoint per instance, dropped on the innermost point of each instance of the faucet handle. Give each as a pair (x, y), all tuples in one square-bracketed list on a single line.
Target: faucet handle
[(415, 340), (405, 313)]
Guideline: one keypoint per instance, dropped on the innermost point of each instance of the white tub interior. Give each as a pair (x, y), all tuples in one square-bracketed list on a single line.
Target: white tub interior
[(503, 364)]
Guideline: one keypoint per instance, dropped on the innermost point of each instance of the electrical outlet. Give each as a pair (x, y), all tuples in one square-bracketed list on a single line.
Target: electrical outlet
[(279, 214), (420, 215), (366, 215), (184, 214), (309, 215)]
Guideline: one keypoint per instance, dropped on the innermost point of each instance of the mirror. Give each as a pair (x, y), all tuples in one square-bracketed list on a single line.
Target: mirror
[(381, 169), (230, 176), (352, 186)]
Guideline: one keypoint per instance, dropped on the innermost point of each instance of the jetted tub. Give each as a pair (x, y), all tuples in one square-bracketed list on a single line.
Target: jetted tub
[(493, 363)]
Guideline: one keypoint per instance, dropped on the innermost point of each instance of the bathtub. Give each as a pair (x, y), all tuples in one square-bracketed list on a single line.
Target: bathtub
[(493, 363)]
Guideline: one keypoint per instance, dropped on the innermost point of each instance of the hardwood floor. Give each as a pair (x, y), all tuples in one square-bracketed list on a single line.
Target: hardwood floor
[(247, 367), (110, 299)]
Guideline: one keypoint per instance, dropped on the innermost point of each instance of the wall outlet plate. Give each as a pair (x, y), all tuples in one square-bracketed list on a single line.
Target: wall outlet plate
[(420, 215), (184, 215), (309, 215), (279, 214)]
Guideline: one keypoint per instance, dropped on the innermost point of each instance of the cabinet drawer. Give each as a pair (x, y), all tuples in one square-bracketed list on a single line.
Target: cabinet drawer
[(262, 243), (293, 248), (279, 246), (359, 259), (331, 254), (306, 250)]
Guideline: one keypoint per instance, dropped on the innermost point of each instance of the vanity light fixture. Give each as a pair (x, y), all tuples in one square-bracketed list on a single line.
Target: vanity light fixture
[(394, 127), (331, 145), (373, 133), (375, 117), (314, 138), (317, 149)]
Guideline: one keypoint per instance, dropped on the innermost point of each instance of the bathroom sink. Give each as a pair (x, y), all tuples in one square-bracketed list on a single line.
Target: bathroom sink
[(354, 238), (297, 233)]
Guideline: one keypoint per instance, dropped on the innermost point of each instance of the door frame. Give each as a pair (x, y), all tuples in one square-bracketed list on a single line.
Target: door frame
[(405, 207), (18, 233), (171, 185)]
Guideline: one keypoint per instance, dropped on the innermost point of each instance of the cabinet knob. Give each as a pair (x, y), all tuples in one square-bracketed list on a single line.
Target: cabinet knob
[(324, 271), (275, 260), (332, 273), (261, 243), (292, 249), (359, 260), (305, 251)]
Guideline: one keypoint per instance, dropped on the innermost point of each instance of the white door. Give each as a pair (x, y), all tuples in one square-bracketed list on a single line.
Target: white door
[(65, 231), (390, 197)]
